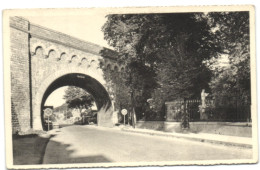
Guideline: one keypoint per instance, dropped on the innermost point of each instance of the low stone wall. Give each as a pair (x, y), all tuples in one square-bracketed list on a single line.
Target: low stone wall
[(242, 129), (155, 125)]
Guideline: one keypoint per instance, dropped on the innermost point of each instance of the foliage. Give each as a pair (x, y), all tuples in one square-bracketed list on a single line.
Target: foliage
[(62, 108), (232, 33), (162, 54), (78, 98), (114, 78), (67, 115), (174, 56)]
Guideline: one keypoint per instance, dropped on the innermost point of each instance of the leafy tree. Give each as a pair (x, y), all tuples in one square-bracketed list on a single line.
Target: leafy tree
[(120, 91), (163, 54), (77, 98), (67, 115), (232, 33)]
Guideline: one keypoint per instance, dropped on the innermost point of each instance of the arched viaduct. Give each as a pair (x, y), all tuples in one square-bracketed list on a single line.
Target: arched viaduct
[(43, 60)]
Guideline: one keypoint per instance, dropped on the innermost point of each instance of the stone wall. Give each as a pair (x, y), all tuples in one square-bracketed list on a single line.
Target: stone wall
[(20, 74), (15, 121), (52, 60), (154, 125), (242, 129), (39, 57), (63, 39)]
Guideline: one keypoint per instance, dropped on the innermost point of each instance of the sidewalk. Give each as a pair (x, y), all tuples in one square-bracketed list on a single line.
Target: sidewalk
[(202, 137)]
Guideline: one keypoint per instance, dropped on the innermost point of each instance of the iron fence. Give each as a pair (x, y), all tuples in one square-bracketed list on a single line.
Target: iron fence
[(221, 108)]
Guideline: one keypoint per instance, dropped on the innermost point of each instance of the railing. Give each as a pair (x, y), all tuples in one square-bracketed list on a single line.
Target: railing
[(230, 109), (221, 108)]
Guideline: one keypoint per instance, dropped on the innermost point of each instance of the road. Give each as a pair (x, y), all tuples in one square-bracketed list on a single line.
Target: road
[(90, 144)]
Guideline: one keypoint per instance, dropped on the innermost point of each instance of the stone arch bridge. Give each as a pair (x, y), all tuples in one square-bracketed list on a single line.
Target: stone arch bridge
[(43, 60)]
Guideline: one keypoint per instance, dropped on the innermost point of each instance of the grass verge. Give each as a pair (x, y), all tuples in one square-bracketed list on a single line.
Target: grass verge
[(29, 149)]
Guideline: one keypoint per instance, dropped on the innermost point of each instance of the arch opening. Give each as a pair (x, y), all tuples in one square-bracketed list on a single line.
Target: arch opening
[(89, 84)]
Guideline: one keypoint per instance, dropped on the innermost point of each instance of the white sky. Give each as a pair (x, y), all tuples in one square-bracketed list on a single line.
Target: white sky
[(55, 99), (87, 28)]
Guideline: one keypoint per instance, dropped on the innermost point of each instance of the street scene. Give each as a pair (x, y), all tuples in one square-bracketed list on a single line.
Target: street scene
[(144, 88)]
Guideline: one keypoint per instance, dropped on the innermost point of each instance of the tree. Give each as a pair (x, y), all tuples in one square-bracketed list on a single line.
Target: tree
[(67, 115), (77, 98), (231, 30), (163, 54)]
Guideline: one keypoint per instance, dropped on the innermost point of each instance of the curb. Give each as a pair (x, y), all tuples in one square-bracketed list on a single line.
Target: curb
[(226, 143)]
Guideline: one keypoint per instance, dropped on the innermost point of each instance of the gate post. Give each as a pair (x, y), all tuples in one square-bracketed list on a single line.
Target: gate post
[(185, 116)]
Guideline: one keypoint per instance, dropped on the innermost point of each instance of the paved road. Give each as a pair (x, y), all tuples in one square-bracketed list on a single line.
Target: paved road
[(88, 144)]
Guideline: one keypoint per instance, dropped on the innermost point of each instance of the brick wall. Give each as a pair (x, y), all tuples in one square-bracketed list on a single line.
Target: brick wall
[(15, 122), (20, 91), (63, 39), (31, 69)]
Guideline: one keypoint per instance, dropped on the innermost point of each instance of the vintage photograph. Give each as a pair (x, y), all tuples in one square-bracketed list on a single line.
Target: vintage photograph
[(114, 87)]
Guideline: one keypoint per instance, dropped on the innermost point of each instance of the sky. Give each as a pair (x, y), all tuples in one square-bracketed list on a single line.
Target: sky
[(87, 28), (55, 99)]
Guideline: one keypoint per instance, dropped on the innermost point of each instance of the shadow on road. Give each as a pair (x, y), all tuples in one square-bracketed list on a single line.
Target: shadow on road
[(64, 155), (29, 149)]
